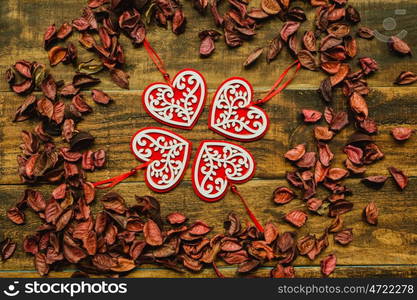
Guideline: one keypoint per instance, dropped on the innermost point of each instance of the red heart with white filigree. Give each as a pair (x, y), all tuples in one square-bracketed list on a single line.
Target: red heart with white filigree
[(178, 104), (218, 164), (167, 153), (233, 114)]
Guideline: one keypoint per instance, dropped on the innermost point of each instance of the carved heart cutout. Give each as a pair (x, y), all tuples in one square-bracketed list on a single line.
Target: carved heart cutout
[(217, 164), (168, 155), (232, 113), (180, 104)]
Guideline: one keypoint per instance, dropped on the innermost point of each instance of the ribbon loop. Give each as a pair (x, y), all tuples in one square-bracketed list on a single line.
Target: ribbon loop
[(276, 89), (157, 60), (117, 179), (248, 211)]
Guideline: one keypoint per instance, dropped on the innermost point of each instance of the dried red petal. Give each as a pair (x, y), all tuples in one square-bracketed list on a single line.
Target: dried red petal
[(376, 181), (288, 29), (325, 154), (328, 264), (176, 218), (311, 116), (354, 154), (100, 97), (400, 178), (296, 218), (313, 204), (114, 202), (282, 195), (371, 213), (307, 161), (296, 153), (283, 272), (152, 233), (336, 174), (64, 31), (323, 133), (339, 207), (56, 55), (16, 215), (344, 237), (399, 46), (402, 133), (406, 77), (253, 56)]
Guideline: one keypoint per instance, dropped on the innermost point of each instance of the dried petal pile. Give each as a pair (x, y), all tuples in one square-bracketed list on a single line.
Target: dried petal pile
[(121, 237)]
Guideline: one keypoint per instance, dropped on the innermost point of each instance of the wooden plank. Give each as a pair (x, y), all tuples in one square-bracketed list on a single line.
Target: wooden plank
[(21, 34), (304, 272), (392, 242), (113, 126)]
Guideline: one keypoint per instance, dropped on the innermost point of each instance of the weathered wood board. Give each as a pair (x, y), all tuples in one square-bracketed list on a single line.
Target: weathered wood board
[(389, 249)]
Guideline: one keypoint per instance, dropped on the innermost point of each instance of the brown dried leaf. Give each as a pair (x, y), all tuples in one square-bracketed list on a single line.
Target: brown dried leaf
[(400, 178), (253, 56), (370, 213), (402, 133), (296, 218), (152, 233), (328, 264), (282, 195)]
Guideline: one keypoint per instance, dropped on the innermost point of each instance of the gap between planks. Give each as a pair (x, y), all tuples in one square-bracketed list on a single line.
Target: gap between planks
[(234, 267), (184, 180), (256, 89)]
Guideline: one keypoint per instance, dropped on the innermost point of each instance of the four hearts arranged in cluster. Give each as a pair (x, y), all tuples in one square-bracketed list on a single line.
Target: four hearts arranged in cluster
[(218, 163)]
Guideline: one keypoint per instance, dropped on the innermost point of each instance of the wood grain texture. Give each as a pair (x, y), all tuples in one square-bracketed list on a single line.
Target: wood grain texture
[(24, 41), (388, 250), (304, 272), (114, 125)]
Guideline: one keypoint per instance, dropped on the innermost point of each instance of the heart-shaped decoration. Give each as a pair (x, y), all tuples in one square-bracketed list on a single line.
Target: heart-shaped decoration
[(179, 104), (232, 113), (168, 155), (217, 164)]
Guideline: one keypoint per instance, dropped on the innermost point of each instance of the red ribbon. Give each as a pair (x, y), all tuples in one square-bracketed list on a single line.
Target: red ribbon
[(156, 59), (276, 89), (248, 211), (117, 179)]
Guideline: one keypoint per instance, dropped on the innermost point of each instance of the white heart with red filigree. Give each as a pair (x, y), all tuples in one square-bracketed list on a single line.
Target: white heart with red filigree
[(217, 164), (233, 114), (179, 104), (168, 155)]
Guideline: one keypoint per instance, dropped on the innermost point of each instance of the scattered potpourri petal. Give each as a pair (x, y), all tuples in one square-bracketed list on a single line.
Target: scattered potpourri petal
[(406, 77), (253, 56), (328, 264), (282, 195), (296, 218), (370, 213), (375, 181), (399, 46), (344, 236), (311, 116), (400, 178), (401, 133)]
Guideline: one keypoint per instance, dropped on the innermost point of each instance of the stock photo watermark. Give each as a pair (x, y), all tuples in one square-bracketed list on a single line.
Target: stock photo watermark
[(390, 25), (64, 288)]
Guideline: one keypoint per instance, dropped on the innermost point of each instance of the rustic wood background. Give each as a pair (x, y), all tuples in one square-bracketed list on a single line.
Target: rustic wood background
[(390, 249)]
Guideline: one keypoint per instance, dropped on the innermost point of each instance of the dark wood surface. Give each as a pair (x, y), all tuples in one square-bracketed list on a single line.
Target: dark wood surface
[(389, 249)]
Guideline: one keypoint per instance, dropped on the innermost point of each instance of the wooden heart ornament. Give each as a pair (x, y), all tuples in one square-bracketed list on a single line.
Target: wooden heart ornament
[(218, 164), (178, 104), (234, 115), (166, 153)]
